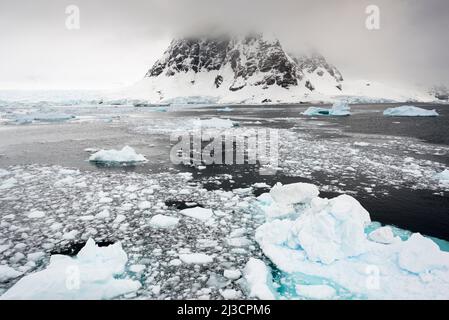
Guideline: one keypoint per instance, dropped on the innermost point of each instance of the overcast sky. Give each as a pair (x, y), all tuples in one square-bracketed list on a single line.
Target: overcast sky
[(119, 40)]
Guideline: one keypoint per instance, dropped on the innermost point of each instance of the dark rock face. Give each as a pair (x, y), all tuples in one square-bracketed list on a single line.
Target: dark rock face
[(247, 57), (309, 64)]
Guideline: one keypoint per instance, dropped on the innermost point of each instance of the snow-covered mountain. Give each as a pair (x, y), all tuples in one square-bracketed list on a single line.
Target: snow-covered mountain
[(249, 69)]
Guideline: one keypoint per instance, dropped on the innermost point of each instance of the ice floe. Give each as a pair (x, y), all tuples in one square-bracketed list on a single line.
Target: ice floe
[(327, 240), (7, 273), (259, 281), (410, 111), (162, 221), (92, 274), (125, 155), (196, 258), (199, 213)]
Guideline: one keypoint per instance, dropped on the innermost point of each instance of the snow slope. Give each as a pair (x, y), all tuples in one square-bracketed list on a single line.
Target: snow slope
[(253, 69)]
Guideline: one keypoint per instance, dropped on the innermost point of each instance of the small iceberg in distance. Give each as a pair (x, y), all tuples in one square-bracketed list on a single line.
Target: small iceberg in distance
[(112, 157), (410, 111), (339, 109)]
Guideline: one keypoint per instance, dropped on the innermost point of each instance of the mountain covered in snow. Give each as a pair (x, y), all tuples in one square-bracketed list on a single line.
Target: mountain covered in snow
[(253, 68)]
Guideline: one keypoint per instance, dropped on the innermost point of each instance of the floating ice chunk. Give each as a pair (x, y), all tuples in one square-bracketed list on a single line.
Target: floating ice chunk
[(226, 109), (8, 183), (340, 108), (232, 274), (315, 291), (92, 274), (316, 111), (198, 213), (144, 205), (239, 242), (420, 254), (216, 123), (36, 214), (175, 262), (163, 222), (294, 193), (70, 235), (443, 177), (196, 258), (104, 214), (230, 294), (383, 235), (410, 111), (332, 229), (65, 182), (258, 279), (119, 219), (126, 155), (35, 256), (7, 273), (327, 241), (3, 173), (42, 117)]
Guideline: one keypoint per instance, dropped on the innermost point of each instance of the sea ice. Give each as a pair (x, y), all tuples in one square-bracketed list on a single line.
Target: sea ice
[(92, 274), (196, 258), (410, 111), (126, 155), (232, 274), (199, 213), (163, 222), (7, 273)]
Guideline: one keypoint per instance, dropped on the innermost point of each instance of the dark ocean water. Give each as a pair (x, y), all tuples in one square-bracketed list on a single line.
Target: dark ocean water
[(416, 210)]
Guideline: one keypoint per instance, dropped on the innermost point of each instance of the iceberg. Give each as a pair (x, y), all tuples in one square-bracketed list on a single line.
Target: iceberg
[(93, 274), (410, 111), (331, 242), (126, 155), (339, 109)]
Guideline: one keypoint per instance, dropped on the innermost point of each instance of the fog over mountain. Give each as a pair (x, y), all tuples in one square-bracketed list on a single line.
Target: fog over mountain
[(118, 41)]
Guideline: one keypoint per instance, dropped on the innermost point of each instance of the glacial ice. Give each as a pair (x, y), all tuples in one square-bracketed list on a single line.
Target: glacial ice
[(92, 274), (327, 240), (126, 155), (409, 111)]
